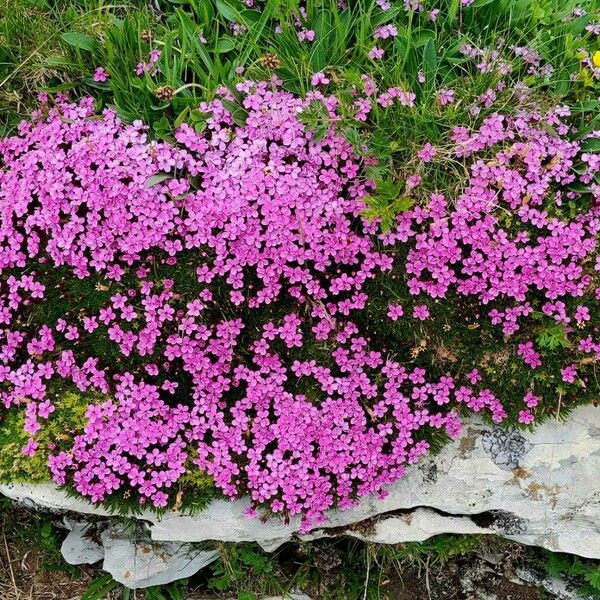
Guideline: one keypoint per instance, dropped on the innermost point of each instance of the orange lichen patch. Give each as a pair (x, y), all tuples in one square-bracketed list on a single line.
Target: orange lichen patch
[(541, 491)]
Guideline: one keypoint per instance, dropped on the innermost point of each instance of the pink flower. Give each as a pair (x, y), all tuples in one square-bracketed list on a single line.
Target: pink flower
[(319, 79), (376, 53), (383, 32), (306, 35), (569, 373), (395, 311), (525, 417), (582, 314), (30, 447), (100, 75), (474, 376), (427, 153), (531, 400), (445, 97), (529, 355), (421, 312), (413, 181)]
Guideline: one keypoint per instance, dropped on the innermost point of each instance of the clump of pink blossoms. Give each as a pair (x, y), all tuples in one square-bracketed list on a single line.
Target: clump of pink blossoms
[(225, 272), (226, 279)]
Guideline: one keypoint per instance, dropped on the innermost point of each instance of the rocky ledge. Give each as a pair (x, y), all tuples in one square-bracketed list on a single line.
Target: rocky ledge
[(538, 488)]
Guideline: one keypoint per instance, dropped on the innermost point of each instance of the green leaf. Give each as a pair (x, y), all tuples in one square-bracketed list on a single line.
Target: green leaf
[(226, 11), (225, 44), (181, 117), (79, 40), (453, 10), (402, 205), (57, 61), (191, 30), (156, 179), (422, 36), (557, 565), (554, 336), (429, 63), (100, 588), (591, 145), (387, 189), (238, 113), (386, 15), (593, 578)]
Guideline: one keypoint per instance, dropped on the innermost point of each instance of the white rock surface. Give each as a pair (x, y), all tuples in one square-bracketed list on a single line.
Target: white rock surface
[(80, 547), (540, 488), (138, 562)]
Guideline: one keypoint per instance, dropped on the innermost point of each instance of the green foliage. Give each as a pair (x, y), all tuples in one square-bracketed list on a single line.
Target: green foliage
[(553, 336), (386, 203), (437, 550), (100, 588), (316, 118), (246, 570), (584, 571)]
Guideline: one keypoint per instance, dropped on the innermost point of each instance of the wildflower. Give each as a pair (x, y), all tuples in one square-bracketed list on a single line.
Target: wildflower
[(421, 312), (376, 53), (525, 417), (445, 97), (413, 181), (383, 32), (568, 374), (319, 79), (427, 153), (100, 75), (395, 311)]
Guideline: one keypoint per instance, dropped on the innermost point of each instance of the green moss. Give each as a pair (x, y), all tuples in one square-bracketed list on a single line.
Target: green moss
[(60, 428)]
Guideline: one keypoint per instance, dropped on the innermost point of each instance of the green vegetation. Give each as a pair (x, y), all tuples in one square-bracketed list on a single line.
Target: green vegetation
[(57, 45)]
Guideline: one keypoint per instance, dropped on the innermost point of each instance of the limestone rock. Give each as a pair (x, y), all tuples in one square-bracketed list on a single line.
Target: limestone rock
[(138, 562), (539, 488), (79, 546), (555, 586)]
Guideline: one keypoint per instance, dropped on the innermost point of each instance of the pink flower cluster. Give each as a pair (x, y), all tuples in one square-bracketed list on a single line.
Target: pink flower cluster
[(520, 243), (230, 272), (472, 247), (231, 265)]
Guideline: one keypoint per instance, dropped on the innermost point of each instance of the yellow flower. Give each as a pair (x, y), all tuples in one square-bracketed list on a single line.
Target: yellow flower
[(596, 58)]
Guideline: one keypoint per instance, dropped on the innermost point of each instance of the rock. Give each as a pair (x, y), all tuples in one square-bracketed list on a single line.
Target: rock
[(80, 547), (539, 488), (555, 586), (137, 562), (506, 447), (413, 526)]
